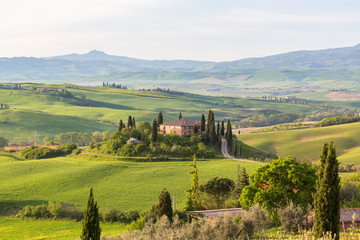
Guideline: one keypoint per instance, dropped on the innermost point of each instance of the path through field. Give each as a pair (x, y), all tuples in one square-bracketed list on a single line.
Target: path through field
[(225, 153)]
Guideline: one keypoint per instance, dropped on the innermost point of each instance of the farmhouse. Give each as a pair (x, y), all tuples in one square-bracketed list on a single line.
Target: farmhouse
[(181, 127)]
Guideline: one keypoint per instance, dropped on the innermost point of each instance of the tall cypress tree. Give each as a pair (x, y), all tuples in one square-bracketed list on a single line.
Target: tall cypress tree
[(202, 123), (327, 196), (133, 124), (218, 128), (165, 207), (129, 123), (91, 224), (120, 125), (222, 131), (160, 119), (154, 131), (180, 116), (229, 138), (235, 149), (211, 128)]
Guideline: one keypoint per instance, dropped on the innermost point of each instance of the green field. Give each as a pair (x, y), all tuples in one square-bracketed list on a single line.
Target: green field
[(17, 228), (307, 143), (49, 115)]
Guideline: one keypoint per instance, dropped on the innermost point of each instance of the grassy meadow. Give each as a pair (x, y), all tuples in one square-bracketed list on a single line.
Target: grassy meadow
[(307, 143), (49, 115)]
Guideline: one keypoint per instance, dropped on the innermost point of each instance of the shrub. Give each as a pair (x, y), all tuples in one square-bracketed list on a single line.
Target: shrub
[(291, 217)]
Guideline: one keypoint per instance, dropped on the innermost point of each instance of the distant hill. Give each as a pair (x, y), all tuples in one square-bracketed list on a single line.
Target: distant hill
[(301, 68)]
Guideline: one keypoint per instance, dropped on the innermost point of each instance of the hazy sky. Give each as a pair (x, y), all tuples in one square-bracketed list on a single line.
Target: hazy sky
[(176, 29)]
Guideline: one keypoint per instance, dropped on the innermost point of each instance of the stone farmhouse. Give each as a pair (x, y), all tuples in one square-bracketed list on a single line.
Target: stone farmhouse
[(181, 127)]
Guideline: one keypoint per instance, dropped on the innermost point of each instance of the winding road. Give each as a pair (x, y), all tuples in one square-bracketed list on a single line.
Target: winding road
[(225, 153)]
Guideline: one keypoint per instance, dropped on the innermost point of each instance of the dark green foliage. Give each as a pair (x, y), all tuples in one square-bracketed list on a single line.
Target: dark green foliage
[(130, 122), (272, 119), (80, 139), (53, 210), (3, 142), (327, 196), (180, 116), (278, 182), (65, 93), (229, 138), (218, 128), (165, 207), (222, 131), (91, 223), (195, 129), (350, 196), (154, 132), (218, 188), (211, 128), (202, 123), (242, 179), (120, 126), (133, 124), (235, 149), (160, 119), (193, 198), (338, 120), (45, 152)]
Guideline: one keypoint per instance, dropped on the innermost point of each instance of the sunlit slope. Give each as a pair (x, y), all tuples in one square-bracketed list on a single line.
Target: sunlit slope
[(306, 143)]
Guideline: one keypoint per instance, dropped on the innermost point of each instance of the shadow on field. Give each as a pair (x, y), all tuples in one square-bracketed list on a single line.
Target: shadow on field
[(11, 207)]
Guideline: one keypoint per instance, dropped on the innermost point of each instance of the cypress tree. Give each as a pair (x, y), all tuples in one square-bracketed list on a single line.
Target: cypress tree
[(133, 124), (193, 198), (202, 123), (154, 131), (218, 128), (165, 207), (91, 224), (160, 119), (195, 129), (239, 150), (229, 138), (222, 131), (180, 116), (129, 123), (120, 125), (211, 128), (327, 196), (235, 149)]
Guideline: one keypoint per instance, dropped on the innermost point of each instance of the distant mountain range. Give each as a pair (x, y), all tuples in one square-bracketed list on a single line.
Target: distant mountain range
[(89, 66)]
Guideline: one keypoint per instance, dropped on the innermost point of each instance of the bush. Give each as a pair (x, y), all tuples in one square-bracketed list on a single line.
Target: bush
[(45, 152), (292, 217), (53, 210)]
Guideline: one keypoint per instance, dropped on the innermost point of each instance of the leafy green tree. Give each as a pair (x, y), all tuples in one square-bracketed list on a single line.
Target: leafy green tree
[(193, 198), (278, 182), (160, 119), (180, 116), (327, 196), (91, 224), (3, 142), (202, 123), (154, 131), (165, 207), (219, 188), (120, 126), (222, 130)]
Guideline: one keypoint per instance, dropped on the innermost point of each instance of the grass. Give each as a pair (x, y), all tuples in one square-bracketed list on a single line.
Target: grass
[(307, 143), (49, 115), (123, 185), (17, 228)]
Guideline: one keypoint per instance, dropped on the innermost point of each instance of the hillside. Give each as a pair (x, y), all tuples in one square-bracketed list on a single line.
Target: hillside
[(49, 114), (306, 144)]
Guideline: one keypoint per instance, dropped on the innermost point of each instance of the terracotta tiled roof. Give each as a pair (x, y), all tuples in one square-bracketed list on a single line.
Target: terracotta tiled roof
[(181, 123), (346, 214)]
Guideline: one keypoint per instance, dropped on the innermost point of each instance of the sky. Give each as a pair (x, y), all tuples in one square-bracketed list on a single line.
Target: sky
[(210, 30)]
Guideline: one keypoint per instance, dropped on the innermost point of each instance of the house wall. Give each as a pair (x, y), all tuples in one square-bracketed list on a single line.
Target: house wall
[(181, 131)]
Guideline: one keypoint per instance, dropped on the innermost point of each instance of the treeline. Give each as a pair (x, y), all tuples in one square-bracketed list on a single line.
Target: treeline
[(4, 106), (80, 139), (15, 86), (282, 100), (268, 120), (114, 85), (46, 152), (155, 89), (338, 120)]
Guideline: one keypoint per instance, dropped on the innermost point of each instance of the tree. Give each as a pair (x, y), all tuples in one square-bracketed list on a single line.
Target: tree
[(120, 125), (327, 196), (218, 129), (3, 142), (202, 123), (180, 116), (91, 224), (133, 124), (275, 184), (219, 188), (211, 128), (195, 129), (292, 217), (154, 131), (129, 123), (222, 131), (235, 149), (160, 119), (193, 199), (165, 207), (229, 138)]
